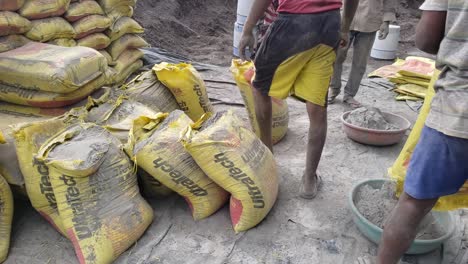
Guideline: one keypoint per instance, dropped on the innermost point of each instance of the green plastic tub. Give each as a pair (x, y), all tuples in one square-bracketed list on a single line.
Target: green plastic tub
[(374, 233)]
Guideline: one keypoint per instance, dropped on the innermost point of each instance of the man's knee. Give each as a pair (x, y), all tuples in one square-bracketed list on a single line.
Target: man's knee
[(419, 206)]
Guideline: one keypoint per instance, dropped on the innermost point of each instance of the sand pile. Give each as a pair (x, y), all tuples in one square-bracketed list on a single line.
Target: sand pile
[(370, 118)]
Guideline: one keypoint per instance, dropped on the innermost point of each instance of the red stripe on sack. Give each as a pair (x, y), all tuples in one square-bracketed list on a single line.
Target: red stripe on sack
[(236, 209), (76, 245)]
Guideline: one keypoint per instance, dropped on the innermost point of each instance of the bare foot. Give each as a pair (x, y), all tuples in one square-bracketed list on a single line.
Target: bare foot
[(309, 187), (352, 102)]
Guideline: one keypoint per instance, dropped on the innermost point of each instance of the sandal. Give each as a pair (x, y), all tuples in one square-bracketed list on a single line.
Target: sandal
[(313, 194), (332, 96), (352, 102)]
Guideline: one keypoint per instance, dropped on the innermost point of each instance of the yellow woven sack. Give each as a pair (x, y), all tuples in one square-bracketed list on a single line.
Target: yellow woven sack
[(9, 166), (10, 5), (155, 146), (51, 68), (110, 5), (95, 41), (151, 187), (148, 90), (12, 42), (47, 99), (126, 42), (187, 86), (29, 138), (63, 42), (47, 29), (97, 193), (107, 56), (37, 9), (28, 111), (120, 11), (243, 72), (91, 24), (234, 158), (122, 76), (6, 218), (2, 138), (399, 168), (79, 10), (12, 23), (122, 26)]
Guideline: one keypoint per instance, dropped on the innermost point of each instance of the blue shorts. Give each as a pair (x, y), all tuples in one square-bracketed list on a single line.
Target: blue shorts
[(438, 166)]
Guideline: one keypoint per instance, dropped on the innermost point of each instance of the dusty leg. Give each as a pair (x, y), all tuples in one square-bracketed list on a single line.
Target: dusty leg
[(264, 118), (317, 136), (401, 228)]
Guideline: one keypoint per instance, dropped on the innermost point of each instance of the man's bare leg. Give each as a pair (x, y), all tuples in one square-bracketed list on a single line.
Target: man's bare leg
[(263, 112), (316, 141), (401, 228)]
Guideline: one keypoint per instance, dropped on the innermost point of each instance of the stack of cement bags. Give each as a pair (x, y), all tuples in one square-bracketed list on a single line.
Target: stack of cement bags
[(12, 25)]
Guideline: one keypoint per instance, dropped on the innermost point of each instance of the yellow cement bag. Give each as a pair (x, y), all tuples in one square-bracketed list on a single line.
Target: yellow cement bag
[(110, 5), (107, 56), (234, 158), (79, 10), (47, 29), (28, 111), (116, 116), (126, 42), (122, 26), (148, 90), (187, 86), (2, 138), (151, 187), (243, 73), (123, 75), (119, 12), (29, 137), (51, 68), (37, 9), (95, 41), (96, 190), (10, 5), (10, 42), (6, 218), (63, 42), (12, 23), (127, 58), (91, 24), (399, 168), (154, 144), (47, 99), (9, 166)]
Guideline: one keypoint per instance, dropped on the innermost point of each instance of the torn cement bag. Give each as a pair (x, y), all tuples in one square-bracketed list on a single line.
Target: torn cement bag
[(50, 68), (243, 73), (110, 5), (154, 144), (10, 5), (151, 187), (122, 26), (96, 190), (37, 9), (12, 23), (79, 10), (116, 116), (29, 137), (9, 166), (6, 218), (107, 56), (91, 24), (234, 158), (28, 111), (119, 12), (122, 76), (63, 42), (47, 99), (127, 41), (399, 169), (12, 42), (187, 86), (148, 90), (47, 29), (95, 41)]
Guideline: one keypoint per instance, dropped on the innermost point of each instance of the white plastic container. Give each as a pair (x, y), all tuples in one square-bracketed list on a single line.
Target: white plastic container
[(243, 10), (237, 36), (386, 49)]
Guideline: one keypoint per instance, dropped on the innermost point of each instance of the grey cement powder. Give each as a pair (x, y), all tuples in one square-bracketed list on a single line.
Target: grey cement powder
[(370, 118), (376, 206)]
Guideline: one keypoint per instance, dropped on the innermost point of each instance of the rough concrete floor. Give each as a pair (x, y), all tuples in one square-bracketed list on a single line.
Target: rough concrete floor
[(320, 231)]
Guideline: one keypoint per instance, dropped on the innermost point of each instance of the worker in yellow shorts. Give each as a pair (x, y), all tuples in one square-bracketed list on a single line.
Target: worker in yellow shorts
[(296, 58)]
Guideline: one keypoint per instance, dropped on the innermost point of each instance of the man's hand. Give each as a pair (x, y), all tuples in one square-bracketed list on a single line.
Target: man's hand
[(247, 41), (384, 29), (344, 39)]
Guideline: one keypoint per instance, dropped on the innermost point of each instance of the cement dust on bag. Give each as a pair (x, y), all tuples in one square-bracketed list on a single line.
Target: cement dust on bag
[(151, 188), (399, 169), (96, 190), (6, 218), (187, 86), (9, 166), (243, 73), (235, 158), (156, 148)]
